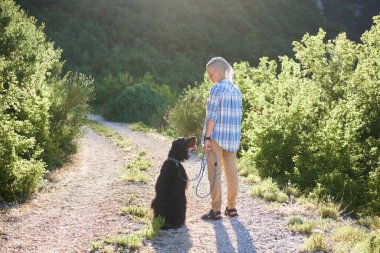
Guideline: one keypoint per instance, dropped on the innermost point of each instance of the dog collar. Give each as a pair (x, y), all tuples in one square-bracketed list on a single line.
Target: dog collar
[(174, 160)]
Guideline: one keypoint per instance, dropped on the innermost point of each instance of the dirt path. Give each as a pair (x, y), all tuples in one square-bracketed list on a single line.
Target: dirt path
[(255, 230), (84, 204)]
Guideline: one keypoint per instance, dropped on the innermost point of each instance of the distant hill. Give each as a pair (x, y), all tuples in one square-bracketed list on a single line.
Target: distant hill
[(173, 39)]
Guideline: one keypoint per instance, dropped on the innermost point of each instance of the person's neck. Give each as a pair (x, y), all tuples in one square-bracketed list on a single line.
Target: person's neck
[(220, 80)]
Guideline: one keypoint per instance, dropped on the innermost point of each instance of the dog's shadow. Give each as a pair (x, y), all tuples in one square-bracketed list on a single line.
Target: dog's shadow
[(243, 238), (173, 240)]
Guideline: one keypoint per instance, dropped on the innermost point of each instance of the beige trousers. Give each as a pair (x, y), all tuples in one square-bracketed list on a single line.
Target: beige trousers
[(230, 170)]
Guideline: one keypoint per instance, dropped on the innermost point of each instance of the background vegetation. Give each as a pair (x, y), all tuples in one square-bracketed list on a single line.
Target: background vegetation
[(172, 40), (119, 42)]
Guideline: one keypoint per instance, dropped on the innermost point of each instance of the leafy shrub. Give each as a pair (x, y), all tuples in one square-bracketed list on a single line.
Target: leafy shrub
[(40, 112), (187, 115), (316, 122), (70, 102), (313, 120), (143, 100), (26, 61), (292, 190)]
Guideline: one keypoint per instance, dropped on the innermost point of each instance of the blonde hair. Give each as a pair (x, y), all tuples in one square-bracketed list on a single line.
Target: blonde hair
[(221, 64)]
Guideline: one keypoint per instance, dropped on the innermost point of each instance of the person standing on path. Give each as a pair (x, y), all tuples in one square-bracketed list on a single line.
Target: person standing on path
[(221, 135)]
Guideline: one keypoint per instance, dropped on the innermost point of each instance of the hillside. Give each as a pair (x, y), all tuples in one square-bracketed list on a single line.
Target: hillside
[(171, 39)]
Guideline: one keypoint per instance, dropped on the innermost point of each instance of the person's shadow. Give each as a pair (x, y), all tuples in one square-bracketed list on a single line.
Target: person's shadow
[(243, 238)]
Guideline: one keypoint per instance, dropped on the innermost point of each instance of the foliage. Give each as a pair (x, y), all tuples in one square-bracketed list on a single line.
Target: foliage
[(171, 40), (120, 140), (188, 114), (312, 120), (138, 211), (137, 100), (39, 113), (140, 127), (25, 61), (134, 171), (316, 122), (133, 240), (372, 222), (70, 99), (292, 190)]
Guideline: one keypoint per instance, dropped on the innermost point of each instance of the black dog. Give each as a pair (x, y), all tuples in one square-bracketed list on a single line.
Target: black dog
[(170, 200)]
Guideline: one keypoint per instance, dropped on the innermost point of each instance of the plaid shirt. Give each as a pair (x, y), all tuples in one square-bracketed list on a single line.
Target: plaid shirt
[(224, 107)]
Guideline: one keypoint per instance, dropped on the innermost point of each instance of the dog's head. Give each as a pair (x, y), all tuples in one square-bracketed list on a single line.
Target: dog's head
[(181, 147)]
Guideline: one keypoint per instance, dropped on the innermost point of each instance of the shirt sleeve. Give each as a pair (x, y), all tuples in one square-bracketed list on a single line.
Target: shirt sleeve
[(213, 104)]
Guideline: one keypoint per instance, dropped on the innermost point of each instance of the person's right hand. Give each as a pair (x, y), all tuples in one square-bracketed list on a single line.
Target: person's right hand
[(207, 146)]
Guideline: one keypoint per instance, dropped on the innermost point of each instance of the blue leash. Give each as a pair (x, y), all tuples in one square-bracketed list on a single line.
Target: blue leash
[(201, 172)]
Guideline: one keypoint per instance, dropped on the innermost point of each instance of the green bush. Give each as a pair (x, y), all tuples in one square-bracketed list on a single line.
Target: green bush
[(27, 61), (132, 100), (187, 116), (70, 99), (316, 121), (39, 115)]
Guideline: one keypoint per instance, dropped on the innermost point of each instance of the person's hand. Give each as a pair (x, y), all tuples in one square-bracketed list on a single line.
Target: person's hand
[(207, 146)]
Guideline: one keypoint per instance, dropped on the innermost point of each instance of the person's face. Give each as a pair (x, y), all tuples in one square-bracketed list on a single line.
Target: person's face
[(215, 75)]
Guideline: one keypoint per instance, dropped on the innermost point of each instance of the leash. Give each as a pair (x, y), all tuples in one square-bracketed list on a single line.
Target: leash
[(201, 172)]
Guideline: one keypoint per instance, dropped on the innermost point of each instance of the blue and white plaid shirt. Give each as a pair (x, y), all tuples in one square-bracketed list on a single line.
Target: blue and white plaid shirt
[(224, 107)]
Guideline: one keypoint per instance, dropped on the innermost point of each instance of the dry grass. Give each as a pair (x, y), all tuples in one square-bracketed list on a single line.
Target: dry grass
[(119, 140), (300, 225), (329, 210), (315, 243), (269, 191)]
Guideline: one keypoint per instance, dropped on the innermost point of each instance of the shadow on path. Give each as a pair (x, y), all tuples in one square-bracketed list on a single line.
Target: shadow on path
[(244, 240), (173, 240), (223, 239)]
